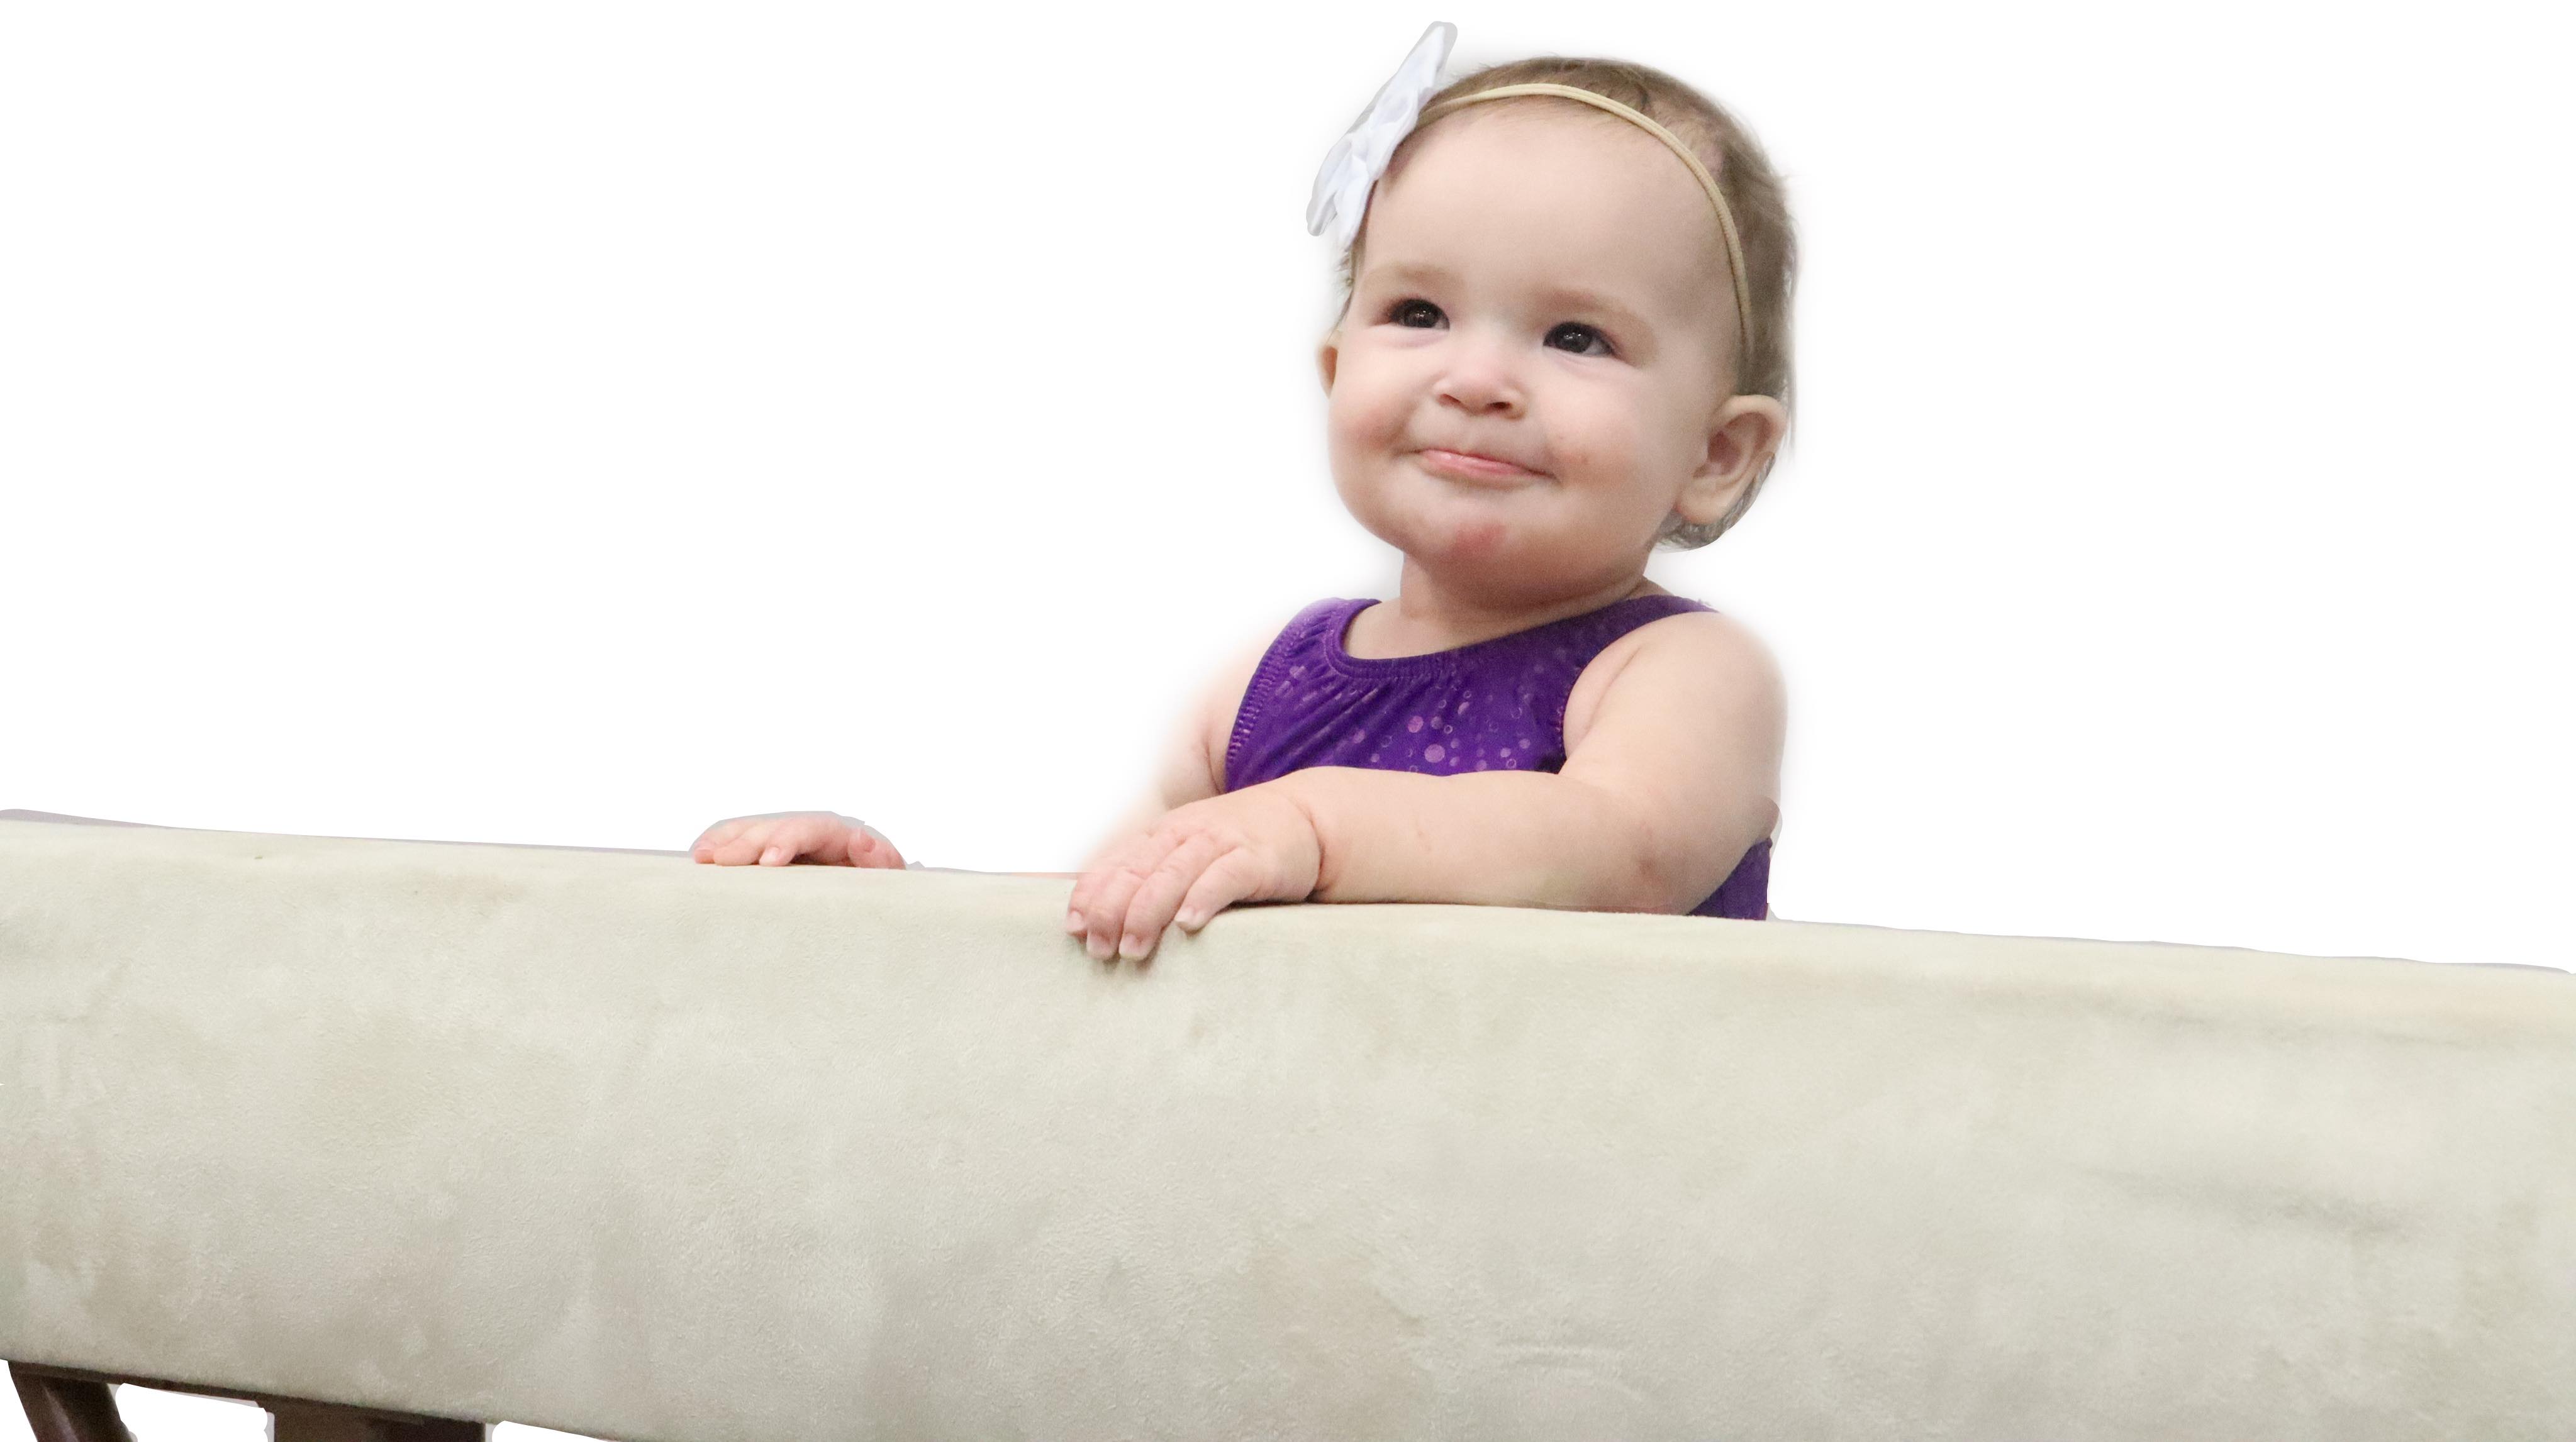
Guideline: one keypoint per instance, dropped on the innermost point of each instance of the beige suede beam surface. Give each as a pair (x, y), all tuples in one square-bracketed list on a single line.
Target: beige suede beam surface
[(619, 1144)]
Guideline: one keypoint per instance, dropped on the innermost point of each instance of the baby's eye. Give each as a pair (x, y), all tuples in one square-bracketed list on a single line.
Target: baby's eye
[(1416, 314), (1580, 339)]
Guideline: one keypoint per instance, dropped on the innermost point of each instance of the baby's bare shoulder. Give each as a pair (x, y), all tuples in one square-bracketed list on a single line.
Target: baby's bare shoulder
[(1677, 665), (1687, 733)]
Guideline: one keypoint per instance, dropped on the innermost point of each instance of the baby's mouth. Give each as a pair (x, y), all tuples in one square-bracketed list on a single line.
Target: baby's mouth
[(1467, 466)]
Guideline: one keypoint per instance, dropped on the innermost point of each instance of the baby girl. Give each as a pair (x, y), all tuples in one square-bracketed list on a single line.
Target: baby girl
[(1564, 342)]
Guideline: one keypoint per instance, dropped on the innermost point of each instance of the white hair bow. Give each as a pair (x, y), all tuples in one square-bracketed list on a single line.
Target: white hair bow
[(1352, 166)]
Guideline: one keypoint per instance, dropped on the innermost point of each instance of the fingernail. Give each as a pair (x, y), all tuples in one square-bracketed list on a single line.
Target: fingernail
[(1073, 922), (1132, 947)]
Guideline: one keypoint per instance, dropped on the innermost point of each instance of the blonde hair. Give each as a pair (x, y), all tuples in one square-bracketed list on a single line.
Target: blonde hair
[(1744, 175)]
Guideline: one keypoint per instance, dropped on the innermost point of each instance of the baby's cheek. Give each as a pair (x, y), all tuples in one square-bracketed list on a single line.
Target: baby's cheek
[(1360, 430), (1612, 445), (1582, 456)]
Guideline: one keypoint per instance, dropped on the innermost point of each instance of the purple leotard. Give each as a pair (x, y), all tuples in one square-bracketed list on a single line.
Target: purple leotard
[(1494, 706)]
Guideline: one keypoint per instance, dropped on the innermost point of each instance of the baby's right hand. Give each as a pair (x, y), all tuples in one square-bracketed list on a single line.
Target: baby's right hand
[(787, 836)]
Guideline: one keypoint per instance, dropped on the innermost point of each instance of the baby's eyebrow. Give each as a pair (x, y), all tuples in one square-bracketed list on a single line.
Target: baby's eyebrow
[(1410, 273)]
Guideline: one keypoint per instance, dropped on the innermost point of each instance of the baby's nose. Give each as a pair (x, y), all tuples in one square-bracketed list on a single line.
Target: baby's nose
[(1479, 380)]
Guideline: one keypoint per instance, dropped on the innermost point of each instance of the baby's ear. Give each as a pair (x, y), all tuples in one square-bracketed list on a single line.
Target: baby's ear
[(1745, 432), (1328, 355)]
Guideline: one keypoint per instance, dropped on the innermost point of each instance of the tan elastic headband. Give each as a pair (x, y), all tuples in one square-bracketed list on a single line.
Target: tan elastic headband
[(1707, 182)]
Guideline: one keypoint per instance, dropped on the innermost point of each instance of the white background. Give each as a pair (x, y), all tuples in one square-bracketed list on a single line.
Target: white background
[(578, 423)]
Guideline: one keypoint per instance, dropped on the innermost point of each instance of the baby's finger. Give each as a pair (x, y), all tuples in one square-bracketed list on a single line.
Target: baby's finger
[(867, 848), (745, 847), (1085, 898), (1100, 897), (712, 840), (1159, 896), (1226, 881), (804, 835)]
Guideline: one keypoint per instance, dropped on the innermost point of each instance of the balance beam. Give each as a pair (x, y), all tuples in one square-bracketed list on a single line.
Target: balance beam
[(630, 1147)]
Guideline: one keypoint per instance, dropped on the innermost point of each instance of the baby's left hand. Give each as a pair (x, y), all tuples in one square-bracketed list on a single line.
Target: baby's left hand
[(1248, 845)]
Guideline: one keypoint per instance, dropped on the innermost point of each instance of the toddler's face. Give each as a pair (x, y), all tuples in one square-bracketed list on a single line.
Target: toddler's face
[(1546, 291)]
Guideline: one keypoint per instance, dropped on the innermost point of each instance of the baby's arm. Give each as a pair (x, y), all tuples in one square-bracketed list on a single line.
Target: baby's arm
[(1675, 777)]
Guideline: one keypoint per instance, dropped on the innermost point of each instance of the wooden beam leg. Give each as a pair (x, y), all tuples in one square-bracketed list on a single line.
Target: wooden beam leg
[(322, 1422), (66, 1405), (64, 1409)]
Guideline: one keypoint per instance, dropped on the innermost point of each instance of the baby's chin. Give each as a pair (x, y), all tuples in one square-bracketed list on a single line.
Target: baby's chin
[(1509, 546), (1475, 545), (1491, 551)]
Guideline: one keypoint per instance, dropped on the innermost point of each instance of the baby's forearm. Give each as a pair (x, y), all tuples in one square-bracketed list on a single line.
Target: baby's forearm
[(1487, 838)]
